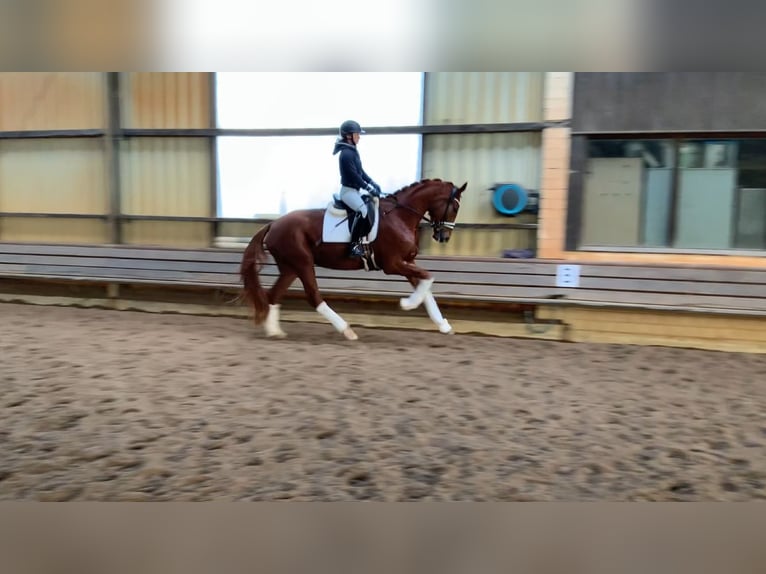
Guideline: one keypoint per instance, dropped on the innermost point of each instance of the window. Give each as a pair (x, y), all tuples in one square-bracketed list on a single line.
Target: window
[(264, 177), (675, 193), (317, 99)]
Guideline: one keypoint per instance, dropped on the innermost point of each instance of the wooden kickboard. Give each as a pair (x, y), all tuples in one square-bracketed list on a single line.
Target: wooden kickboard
[(460, 278)]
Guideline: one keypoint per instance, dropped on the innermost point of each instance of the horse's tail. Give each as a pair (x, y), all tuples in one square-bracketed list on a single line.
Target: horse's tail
[(252, 261)]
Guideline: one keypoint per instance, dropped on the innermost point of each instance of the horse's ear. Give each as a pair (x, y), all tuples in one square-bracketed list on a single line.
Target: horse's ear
[(461, 189)]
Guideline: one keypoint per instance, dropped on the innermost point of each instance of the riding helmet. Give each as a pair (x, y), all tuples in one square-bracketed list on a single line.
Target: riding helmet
[(350, 127)]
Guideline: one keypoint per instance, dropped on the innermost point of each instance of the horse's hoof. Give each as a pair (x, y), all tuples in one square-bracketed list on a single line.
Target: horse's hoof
[(406, 304), (349, 334), (277, 335), (446, 328)]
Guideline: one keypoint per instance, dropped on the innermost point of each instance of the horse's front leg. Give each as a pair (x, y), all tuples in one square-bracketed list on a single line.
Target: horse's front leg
[(422, 280), (416, 276), (429, 302)]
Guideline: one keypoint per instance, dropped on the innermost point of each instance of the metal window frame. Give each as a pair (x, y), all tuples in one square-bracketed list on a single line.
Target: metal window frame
[(122, 132)]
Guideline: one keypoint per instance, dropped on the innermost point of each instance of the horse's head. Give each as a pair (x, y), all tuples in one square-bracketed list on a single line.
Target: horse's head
[(443, 209)]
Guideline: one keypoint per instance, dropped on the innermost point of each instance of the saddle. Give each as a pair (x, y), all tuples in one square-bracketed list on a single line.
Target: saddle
[(341, 207), (339, 221), (340, 212)]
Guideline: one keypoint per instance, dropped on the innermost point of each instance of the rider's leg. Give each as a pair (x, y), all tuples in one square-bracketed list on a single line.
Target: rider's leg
[(353, 199), (357, 227)]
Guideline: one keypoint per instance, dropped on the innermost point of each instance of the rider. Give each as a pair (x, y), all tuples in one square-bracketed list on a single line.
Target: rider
[(353, 180)]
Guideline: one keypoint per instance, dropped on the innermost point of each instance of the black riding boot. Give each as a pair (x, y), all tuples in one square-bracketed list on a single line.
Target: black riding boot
[(355, 248)]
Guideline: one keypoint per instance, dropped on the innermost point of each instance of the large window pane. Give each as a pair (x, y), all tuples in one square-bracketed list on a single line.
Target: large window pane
[(268, 176), (750, 214), (317, 99), (709, 194), (628, 193), (722, 194), (707, 186)]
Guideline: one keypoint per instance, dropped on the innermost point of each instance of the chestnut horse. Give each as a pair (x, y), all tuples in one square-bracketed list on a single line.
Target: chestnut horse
[(295, 243)]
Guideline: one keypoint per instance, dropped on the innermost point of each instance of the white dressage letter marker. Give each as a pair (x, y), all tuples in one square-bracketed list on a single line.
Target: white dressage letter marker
[(567, 276)]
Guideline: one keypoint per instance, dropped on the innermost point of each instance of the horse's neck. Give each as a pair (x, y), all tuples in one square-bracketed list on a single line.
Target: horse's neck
[(418, 199)]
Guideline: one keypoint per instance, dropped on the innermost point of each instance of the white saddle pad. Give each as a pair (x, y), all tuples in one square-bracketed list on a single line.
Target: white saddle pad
[(335, 225)]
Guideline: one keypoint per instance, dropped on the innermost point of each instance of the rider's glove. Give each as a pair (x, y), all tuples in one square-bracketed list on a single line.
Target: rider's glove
[(373, 188)]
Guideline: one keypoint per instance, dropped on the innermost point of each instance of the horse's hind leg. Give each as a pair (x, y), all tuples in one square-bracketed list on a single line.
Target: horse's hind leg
[(309, 280), (276, 293)]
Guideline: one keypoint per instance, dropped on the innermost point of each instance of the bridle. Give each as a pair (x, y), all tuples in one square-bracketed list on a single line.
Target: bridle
[(438, 225)]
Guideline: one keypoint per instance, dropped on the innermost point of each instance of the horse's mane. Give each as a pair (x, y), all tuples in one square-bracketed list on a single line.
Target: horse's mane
[(411, 186)]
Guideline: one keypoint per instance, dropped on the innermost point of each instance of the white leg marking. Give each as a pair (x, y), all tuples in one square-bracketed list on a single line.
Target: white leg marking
[(436, 316), (418, 295), (271, 324), (336, 321)]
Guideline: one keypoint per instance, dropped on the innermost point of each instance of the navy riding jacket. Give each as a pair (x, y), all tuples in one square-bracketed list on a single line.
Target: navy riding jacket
[(351, 172)]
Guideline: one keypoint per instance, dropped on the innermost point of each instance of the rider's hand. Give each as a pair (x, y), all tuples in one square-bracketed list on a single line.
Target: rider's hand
[(374, 189)]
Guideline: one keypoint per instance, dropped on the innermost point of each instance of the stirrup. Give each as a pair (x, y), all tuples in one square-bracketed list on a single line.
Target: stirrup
[(356, 250)]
